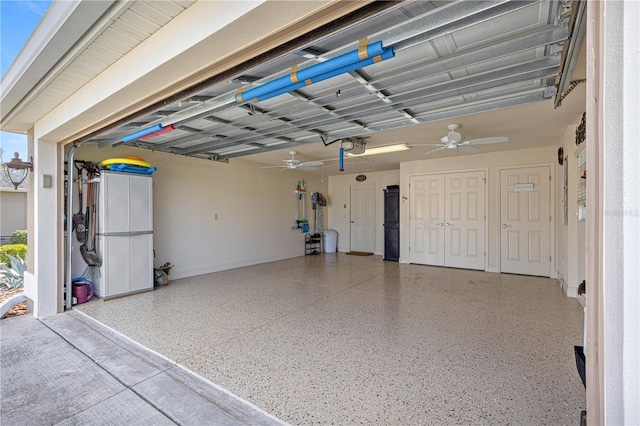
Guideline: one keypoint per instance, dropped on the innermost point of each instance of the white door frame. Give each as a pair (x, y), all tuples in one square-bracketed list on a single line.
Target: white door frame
[(552, 211)]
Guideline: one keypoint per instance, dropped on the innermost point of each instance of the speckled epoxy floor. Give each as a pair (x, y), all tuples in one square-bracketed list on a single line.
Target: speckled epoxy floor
[(338, 339)]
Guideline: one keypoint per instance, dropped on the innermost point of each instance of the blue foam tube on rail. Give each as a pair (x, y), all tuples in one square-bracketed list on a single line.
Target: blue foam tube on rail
[(141, 133), (373, 49), (341, 159), (386, 54)]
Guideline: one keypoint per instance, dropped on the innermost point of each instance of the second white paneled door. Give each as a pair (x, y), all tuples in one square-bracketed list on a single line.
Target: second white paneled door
[(447, 220), (525, 221), (363, 218)]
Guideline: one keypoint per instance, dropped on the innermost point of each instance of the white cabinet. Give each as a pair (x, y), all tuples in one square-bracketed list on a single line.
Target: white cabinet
[(126, 203), (127, 265), (125, 234)]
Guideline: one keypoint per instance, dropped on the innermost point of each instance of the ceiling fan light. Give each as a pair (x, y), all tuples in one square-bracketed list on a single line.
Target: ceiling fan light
[(347, 145), (454, 137), (381, 150)]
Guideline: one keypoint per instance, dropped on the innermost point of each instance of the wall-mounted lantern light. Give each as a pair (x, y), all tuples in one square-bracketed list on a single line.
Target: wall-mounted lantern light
[(17, 170)]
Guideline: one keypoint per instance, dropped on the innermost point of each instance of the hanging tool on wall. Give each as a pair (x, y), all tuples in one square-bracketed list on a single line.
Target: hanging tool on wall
[(318, 202), (90, 254), (301, 220), (78, 218)]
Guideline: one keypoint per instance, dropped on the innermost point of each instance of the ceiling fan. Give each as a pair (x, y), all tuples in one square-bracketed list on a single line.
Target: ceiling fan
[(455, 140), (294, 163)]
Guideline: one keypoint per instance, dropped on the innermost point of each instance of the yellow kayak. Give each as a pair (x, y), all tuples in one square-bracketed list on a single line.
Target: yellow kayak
[(134, 161)]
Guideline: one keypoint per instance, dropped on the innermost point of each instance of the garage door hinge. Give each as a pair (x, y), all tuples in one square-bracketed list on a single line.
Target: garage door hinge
[(549, 258)]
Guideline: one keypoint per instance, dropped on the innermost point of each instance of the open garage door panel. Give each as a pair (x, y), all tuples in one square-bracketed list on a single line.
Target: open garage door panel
[(438, 61)]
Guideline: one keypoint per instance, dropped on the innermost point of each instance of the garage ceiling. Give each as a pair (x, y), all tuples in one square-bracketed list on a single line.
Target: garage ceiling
[(491, 66)]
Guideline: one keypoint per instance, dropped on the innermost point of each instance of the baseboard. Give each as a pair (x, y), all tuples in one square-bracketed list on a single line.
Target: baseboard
[(562, 283), (572, 292), (567, 289), (177, 273)]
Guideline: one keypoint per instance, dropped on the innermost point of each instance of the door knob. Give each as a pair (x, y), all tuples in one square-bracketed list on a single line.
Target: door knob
[(449, 224), (504, 225), (439, 224)]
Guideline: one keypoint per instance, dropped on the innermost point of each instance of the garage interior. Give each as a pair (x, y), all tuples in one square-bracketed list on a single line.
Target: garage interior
[(335, 338)]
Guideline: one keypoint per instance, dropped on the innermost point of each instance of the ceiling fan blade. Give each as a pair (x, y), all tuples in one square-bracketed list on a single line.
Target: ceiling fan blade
[(483, 141), (272, 167), (469, 149), (311, 163), (307, 168), (434, 150), (424, 144)]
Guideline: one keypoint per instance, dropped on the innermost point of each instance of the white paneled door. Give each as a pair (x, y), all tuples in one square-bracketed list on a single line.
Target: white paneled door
[(447, 220), (464, 220), (426, 224), (525, 221), (363, 218)]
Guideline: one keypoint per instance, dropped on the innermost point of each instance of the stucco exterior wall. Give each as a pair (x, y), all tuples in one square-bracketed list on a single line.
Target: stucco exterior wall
[(13, 205)]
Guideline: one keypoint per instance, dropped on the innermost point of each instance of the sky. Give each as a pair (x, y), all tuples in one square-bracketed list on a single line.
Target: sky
[(18, 19)]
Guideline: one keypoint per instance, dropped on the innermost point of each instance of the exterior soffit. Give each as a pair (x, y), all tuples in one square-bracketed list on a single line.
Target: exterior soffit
[(62, 27), (104, 100)]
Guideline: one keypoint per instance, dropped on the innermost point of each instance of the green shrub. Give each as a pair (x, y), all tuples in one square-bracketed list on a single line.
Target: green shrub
[(19, 237), (15, 250)]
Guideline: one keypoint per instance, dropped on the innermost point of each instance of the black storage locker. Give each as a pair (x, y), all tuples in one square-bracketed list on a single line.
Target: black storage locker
[(392, 223)]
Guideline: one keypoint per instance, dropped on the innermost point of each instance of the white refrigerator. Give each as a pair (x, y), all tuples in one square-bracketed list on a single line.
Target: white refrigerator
[(125, 234)]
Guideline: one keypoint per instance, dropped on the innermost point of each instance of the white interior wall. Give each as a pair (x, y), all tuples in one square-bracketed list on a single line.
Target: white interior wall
[(256, 210), (570, 237), (338, 204), (492, 163)]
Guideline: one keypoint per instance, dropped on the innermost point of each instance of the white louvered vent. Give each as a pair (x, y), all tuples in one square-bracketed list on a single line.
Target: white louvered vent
[(582, 177)]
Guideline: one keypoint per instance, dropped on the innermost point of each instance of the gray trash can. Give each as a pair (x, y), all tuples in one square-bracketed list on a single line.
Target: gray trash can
[(330, 240)]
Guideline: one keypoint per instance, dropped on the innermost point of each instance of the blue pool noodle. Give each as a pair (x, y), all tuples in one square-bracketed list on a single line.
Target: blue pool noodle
[(141, 133), (386, 54), (341, 61)]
